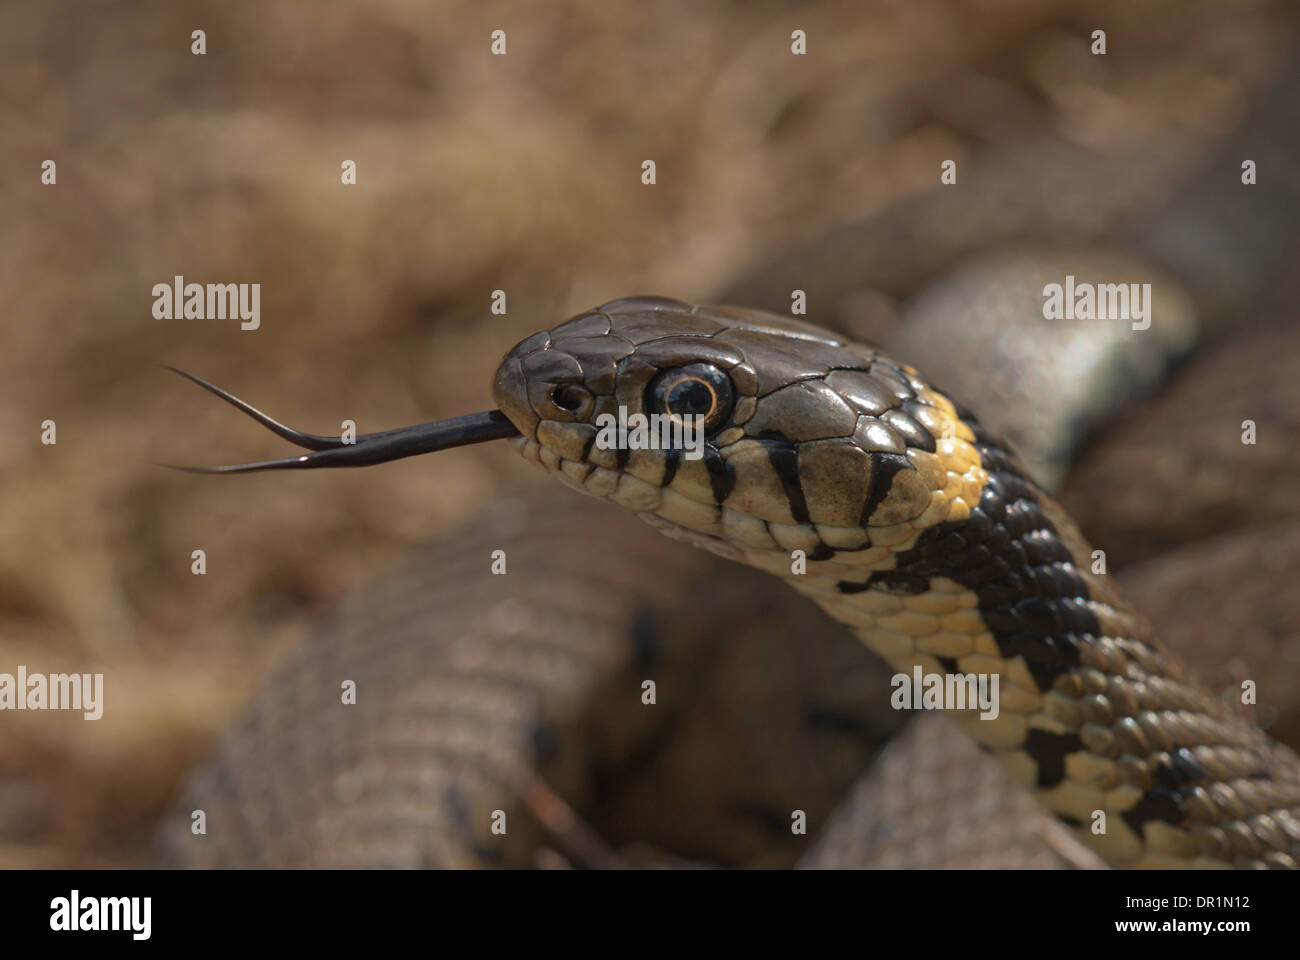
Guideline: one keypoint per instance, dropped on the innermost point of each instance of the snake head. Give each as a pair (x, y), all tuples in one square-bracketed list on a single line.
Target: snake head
[(744, 432), (747, 433)]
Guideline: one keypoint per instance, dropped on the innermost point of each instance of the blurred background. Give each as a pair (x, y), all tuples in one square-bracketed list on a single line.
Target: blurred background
[(476, 172)]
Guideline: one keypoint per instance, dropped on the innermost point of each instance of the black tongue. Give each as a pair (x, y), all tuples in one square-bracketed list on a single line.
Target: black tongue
[(368, 448)]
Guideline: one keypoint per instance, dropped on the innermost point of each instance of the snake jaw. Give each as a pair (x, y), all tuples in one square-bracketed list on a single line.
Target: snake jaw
[(703, 541)]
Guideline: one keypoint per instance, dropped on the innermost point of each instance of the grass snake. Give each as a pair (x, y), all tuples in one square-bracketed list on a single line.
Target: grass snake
[(919, 532)]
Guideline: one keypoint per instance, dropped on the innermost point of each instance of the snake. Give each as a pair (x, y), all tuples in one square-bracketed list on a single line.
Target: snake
[(887, 503), (525, 699)]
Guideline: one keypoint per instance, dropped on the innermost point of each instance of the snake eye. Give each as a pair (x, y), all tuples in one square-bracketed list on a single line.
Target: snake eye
[(697, 389)]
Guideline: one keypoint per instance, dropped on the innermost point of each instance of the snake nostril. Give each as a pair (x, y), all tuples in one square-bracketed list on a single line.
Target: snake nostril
[(570, 397)]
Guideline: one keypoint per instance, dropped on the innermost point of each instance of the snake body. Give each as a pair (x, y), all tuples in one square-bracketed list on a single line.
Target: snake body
[(924, 537), (473, 688)]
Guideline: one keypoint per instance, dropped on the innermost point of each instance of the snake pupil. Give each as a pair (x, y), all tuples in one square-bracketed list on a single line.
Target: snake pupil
[(690, 397)]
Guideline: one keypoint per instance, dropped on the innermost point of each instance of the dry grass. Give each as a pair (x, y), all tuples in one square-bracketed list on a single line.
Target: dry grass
[(475, 173)]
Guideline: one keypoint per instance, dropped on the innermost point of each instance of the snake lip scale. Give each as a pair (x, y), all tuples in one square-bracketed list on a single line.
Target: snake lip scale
[(922, 534)]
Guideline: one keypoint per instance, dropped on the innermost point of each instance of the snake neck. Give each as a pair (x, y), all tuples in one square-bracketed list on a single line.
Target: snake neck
[(1088, 710)]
